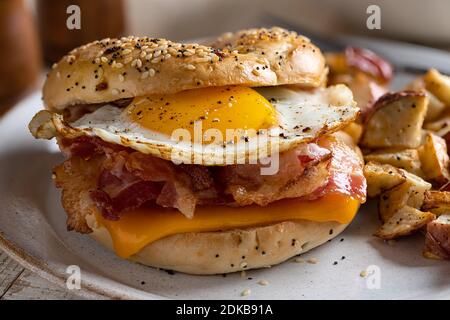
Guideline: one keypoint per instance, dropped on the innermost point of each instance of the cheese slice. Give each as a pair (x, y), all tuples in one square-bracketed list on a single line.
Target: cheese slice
[(140, 227)]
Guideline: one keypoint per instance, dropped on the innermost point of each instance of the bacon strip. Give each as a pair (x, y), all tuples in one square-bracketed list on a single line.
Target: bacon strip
[(129, 179)]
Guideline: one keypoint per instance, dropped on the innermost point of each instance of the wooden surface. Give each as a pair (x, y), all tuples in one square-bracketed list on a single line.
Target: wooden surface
[(17, 283)]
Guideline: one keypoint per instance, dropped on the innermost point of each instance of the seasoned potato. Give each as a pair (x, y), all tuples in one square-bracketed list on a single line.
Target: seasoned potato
[(381, 177), (407, 159), (442, 123), (409, 193), (434, 159), (404, 222), (435, 106), (437, 202), (354, 130), (357, 60), (396, 121), (438, 84), (437, 238), (337, 62)]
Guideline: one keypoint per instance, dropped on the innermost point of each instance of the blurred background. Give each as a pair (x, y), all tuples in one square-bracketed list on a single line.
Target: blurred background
[(34, 32)]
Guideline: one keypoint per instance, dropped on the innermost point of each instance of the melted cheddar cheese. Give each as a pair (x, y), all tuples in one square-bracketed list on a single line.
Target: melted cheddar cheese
[(140, 227)]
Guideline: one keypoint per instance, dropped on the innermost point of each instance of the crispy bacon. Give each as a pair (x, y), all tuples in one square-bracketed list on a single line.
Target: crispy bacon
[(128, 179), (248, 186), (346, 173)]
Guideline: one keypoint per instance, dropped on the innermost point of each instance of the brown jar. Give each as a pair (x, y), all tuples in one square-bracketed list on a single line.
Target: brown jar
[(99, 19), (20, 54)]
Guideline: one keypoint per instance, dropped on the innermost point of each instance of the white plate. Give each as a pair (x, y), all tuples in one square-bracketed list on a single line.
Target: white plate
[(32, 230)]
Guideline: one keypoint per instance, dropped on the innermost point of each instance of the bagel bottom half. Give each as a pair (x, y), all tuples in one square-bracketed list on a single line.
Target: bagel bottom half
[(229, 251)]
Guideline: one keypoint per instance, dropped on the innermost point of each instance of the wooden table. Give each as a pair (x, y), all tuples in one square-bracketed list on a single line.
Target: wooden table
[(17, 283)]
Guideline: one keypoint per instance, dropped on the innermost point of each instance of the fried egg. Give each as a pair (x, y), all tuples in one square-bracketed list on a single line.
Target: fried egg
[(218, 125)]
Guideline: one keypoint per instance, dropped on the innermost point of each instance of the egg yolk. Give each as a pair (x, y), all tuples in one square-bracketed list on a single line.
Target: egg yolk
[(220, 108)]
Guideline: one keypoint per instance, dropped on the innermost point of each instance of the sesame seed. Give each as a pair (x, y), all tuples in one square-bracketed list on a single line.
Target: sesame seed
[(115, 92), (363, 274), (126, 51), (156, 60), (145, 75), (70, 58), (104, 59), (143, 54), (97, 60), (243, 264), (152, 72), (190, 67), (312, 261), (149, 56), (58, 74), (54, 66), (121, 78), (255, 72), (119, 65), (246, 292), (263, 282), (299, 260)]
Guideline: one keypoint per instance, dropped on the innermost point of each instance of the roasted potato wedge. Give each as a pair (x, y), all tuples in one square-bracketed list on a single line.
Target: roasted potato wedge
[(441, 126), (381, 177), (354, 60), (407, 159), (337, 62), (435, 106), (409, 193), (364, 88), (396, 121), (438, 84), (434, 159), (437, 202), (404, 222), (437, 238)]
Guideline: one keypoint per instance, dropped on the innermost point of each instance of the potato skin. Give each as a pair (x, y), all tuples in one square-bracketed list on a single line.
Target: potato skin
[(396, 121), (437, 238)]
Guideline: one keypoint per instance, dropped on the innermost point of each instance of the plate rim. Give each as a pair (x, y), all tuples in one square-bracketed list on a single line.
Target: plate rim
[(39, 267)]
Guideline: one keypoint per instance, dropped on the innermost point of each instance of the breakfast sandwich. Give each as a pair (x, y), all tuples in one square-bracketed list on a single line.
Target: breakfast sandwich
[(203, 159)]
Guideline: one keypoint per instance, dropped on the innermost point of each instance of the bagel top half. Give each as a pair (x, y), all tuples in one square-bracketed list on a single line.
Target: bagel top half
[(113, 69)]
